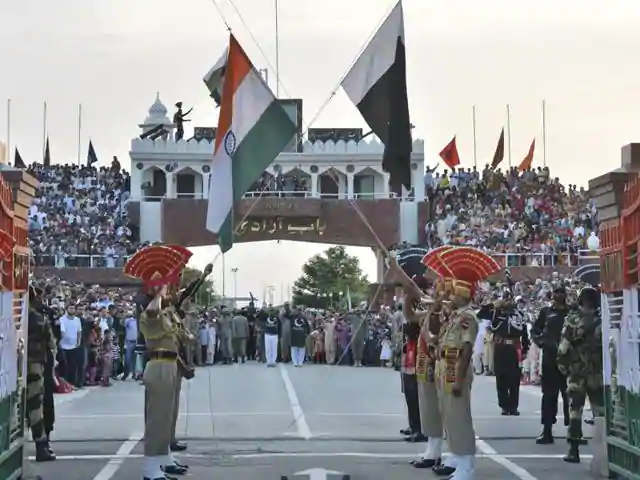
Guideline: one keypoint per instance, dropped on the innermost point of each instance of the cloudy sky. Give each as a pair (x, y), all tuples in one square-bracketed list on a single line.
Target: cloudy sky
[(112, 57)]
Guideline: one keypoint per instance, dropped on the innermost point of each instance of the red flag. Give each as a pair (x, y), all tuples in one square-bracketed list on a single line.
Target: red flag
[(498, 156), (526, 162), (450, 154)]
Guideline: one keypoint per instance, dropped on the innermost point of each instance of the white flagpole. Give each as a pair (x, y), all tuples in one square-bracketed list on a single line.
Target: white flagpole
[(544, 133), (475, 146), (7, 154), (509, 133), (79, 133), (277, 51)]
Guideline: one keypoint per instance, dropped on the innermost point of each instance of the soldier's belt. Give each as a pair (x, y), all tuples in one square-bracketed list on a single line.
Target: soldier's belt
[(448, 353), (161, 355), (506, 341)]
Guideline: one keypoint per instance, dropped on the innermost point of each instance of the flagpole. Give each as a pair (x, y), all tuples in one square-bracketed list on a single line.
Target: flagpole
[(224, 269), (475, 149), (79, 132), (7, 154), (277, 52), (44, 128), (544, 133), (509, 133)]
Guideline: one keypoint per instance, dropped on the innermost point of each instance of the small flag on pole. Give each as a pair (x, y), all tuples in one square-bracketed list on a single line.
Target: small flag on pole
[(215, 77), (498, 157), (449, 154), (17, 160), (377, 86), (91, 155), (526, 162)]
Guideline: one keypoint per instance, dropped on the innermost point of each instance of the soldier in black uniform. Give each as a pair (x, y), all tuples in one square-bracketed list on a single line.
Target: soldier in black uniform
[(511, 344), (40, 342), (545, 334)]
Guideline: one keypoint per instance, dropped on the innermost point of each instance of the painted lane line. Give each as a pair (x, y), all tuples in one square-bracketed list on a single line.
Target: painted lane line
[(301, 422), (112, 467), (517, 470)]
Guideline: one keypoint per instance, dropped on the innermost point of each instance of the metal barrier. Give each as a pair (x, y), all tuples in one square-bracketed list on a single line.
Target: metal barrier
[(80, 261)]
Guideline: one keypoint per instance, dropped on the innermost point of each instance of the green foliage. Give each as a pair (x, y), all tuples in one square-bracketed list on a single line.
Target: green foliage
[(206, 294), (327, 278)]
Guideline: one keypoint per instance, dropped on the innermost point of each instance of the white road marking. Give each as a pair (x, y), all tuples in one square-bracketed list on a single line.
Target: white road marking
[(123, 457), (301, 422), (275, 414), (503, 460), (112, 467)]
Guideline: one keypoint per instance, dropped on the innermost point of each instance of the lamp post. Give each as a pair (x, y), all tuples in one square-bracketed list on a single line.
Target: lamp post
[(235, 285)]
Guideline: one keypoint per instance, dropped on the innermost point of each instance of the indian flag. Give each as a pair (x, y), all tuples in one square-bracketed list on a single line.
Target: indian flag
[(253, 129)]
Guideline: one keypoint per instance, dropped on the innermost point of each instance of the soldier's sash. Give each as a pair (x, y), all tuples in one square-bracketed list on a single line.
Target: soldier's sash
[(424, 361), (447, 366)]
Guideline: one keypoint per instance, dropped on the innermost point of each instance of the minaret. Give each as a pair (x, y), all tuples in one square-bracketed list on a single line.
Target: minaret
[(157, 116)]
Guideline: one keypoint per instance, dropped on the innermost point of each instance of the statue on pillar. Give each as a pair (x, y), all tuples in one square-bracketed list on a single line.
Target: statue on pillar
[(178, 119)]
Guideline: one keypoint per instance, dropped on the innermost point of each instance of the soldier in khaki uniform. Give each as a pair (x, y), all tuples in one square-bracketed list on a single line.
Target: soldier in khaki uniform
[(465, 266), (159, 266)]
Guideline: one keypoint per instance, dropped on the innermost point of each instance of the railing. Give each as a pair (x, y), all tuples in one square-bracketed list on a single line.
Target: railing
[(80, 261), (543, 259), (282, 194), (512, 260)]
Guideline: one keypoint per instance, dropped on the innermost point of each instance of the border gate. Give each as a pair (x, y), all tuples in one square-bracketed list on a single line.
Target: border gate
[(16, 192)]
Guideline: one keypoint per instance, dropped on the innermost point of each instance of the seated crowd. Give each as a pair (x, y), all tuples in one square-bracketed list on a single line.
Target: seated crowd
[(528, 214), (79, 216)]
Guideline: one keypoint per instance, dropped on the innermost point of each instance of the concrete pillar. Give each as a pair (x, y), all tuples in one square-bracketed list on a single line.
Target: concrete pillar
[(350, 193), (385, 176), (206, 183), (600, 463), (314, 185), (171, 186)]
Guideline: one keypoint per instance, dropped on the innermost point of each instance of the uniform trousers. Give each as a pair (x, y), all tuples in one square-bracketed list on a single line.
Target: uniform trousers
[(176, 405), (410, 390), (35, 390), (552, 383), (579, 387), (508, 375), (429, 406), (160, 393), (240, 347), (270, 348), (357, 347), (456, 415)]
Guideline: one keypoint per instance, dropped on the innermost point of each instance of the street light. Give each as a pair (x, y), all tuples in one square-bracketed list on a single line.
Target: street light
[(235, 285)]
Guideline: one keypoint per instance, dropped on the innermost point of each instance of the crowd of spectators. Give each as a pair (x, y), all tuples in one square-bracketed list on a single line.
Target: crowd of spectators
[(286, 185), (79, 217), (510, 212)]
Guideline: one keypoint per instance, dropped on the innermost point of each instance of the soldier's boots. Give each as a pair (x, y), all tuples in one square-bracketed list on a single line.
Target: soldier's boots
[(546, 437), (574, 452), (44, 453)]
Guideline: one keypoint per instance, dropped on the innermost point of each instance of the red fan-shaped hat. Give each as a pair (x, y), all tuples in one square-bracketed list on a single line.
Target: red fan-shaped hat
[(184, 251), (156, 265), (468, 264), (433, 261), (7, 242)]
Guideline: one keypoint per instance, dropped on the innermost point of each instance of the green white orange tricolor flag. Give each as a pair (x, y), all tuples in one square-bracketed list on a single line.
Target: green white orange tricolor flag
[(253, 129)]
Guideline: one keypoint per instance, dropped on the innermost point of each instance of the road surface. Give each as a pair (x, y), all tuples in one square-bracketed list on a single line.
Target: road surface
[(252, 422)]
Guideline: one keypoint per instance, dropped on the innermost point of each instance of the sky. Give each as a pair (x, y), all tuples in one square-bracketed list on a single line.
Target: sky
[(580, 56)]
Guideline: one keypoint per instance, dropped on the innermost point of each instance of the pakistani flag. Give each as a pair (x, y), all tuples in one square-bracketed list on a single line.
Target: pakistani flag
[(215, 77), (253, 129)]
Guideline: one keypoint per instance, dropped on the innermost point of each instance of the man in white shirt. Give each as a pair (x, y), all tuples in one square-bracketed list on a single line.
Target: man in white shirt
[(71, 347)]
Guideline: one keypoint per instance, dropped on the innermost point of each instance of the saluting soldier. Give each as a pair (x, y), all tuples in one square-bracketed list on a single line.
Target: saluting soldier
[(465, 266), (185, 337), (158, 267), (40, 343)]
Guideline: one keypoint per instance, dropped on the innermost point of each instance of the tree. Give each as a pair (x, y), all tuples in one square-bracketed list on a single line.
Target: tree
[(328, 279), (206, 293)]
